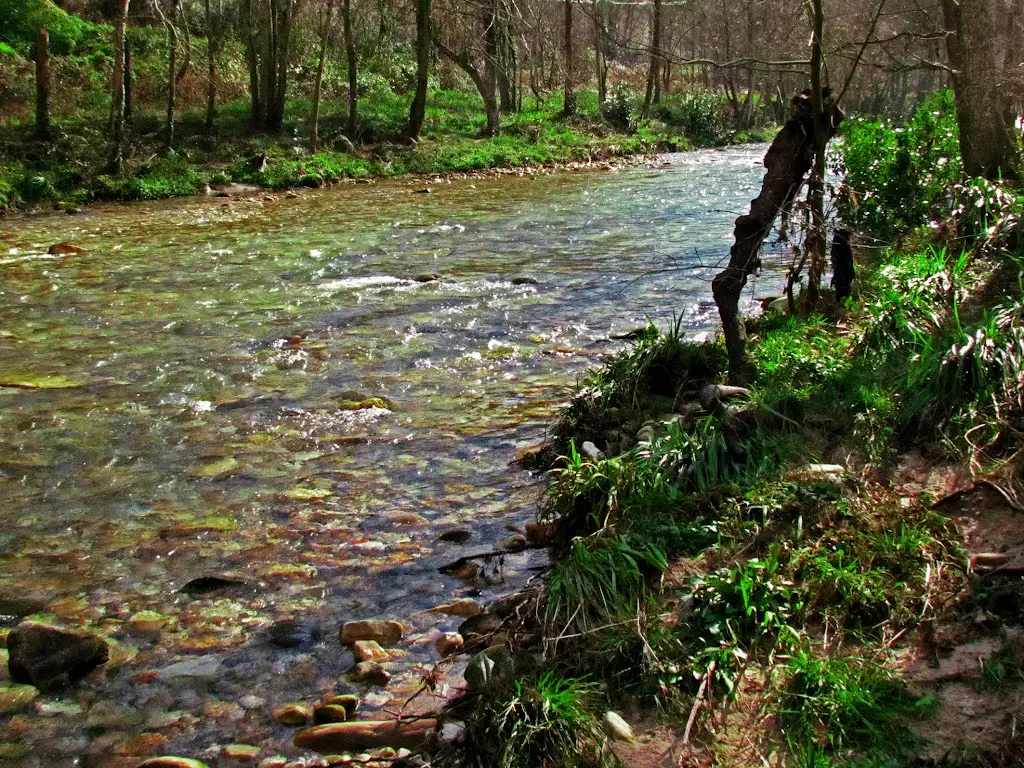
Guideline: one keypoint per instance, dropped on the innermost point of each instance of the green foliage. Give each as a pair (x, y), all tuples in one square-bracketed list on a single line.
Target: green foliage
[(746, 604), (898, 178), (834, 704), (622, 108), (69, 34), (542, 721), (699, 115), (161, 178), (600, 580)]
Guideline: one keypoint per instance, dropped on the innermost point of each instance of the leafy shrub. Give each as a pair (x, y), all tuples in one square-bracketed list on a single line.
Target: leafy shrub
[(698, 115), (622, 108), (897, 178)]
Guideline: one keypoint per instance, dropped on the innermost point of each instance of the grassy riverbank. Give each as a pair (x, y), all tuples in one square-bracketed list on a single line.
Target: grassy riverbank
[(69, 171), (822, 570)]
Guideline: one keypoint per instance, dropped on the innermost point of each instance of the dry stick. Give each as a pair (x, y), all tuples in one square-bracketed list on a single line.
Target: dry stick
[(696, 702)]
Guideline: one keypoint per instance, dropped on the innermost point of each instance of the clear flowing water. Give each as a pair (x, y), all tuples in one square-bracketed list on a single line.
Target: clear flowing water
[(177, 402)]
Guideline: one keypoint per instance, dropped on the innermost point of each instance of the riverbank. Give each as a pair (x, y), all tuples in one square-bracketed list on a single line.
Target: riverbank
[(68, 172), (820, 570)]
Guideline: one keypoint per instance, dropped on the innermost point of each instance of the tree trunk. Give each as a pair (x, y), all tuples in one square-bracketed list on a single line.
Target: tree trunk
[(976, 46), (129, 100), (172, 69), (653, 93), (788, 160), (256, 109), (43, 84), (212, 44), (353, 78), (117, 106), (486, 83), (314, 118), (597, 10), (569, 95), (423, 37), (814, 242)]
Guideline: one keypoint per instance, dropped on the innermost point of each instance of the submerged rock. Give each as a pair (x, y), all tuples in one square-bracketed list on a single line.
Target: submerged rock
[(524, 281), (293, 714), (51, 658), (291, 633), (14, 608), (515, 543), (65, 249), (464, 607), (384, 631), (369, 650), (448, 644), (243, 753), (172, 761), (329, 713), (200, 666), (369, 673), (456, 536), (364, 734), (347, 700), (15, 697)]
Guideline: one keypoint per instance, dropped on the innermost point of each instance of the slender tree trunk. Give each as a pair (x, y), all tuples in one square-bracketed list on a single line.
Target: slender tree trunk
[(569, 95), (815, 241), (212, 44), (43, 84), (172, 70), (984, 107), (353, 73), (653, 92), (314, 118), (257, 113), (597, 10), (129, 100), (419, 102), (117, 107)]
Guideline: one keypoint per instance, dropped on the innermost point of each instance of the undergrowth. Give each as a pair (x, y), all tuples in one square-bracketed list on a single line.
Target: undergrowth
[(708, 546)]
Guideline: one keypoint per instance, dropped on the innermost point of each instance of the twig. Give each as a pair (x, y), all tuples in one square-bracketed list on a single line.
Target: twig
[(696, 702)]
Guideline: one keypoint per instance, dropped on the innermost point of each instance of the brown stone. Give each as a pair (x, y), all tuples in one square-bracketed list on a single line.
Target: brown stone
[(448, 644), (369, 650), (383, 631), (364, 734), (51, 658)]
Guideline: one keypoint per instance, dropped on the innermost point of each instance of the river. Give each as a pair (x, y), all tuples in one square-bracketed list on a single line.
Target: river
[(178, 402)]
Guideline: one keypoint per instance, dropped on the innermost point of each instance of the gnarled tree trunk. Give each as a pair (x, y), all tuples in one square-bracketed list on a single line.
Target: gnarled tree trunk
[(790, 157)]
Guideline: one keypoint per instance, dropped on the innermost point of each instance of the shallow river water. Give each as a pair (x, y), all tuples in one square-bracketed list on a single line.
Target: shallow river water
[(178, 402)]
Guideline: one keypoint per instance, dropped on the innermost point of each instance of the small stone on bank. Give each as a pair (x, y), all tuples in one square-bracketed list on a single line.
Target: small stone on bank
[(617, 728)]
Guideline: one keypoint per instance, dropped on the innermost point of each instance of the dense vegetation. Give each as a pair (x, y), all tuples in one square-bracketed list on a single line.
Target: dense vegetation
[(765, 602)]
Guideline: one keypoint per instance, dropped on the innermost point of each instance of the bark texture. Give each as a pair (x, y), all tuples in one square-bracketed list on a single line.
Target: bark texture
[(117, 86), (789, 158), (423, 37), (980, 51)]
